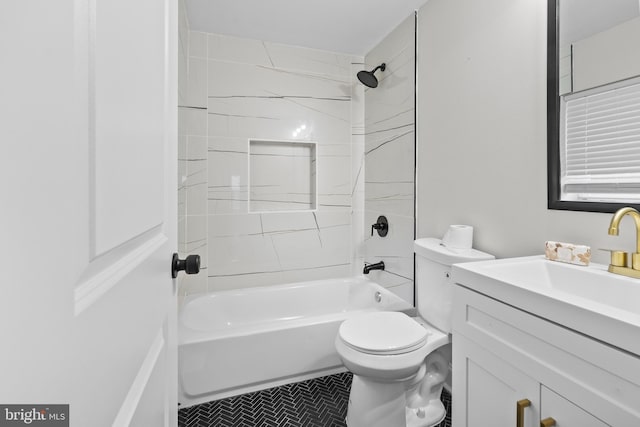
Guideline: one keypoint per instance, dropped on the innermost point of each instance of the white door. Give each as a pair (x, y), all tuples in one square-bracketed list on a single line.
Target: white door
[(88, 129)]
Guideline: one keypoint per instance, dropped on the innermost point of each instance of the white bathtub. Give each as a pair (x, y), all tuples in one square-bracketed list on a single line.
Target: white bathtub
[(234, 342)]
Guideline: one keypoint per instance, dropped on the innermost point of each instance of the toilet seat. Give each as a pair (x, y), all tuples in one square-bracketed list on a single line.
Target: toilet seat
[(383, 333)]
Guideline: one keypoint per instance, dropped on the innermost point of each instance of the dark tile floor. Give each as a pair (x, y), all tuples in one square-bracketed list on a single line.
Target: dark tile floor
[(320, 402)]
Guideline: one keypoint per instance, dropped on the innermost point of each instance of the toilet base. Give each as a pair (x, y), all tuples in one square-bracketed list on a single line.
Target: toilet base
[(376, 404), (427, 416), (383, 404)]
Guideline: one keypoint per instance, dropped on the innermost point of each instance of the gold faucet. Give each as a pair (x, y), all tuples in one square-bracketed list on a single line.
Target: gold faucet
[(618, 258)]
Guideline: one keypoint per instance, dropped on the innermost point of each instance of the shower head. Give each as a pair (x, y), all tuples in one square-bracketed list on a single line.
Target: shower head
[(368, 78)]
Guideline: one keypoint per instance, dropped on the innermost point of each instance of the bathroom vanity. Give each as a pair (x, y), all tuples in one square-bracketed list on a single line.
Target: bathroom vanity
[(540, 343)]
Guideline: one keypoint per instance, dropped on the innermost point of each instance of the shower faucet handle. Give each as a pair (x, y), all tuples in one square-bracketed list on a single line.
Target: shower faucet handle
[(382, 225)]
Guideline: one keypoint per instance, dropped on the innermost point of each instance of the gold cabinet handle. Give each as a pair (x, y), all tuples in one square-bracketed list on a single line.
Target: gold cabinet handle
[(520, 406), (548, 422)]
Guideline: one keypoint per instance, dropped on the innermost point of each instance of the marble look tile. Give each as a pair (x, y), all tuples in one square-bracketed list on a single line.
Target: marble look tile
[(182, 142), (280, 118), (390, 197), (194, 283), (334, 182), (357, 168), (329, 149), (288, 221), (282, 176), (390, 158), (198, 44), (404, 291), (183, 26), (217, 282), (197, 87), (228, 170), (182, 233), (278, 242), (397, 284), (357, 175), (230, 79), (227, 201), (266, 91), (193, 176), (183, 71), (235, 225), (197, 148), (357, 95), (309, 60), (334, 202), (399, 72), (182, 123), (242, 254), (223, 48), (389, 118), (357, 264), (275, 55), (196, 198), (316, 273), (398, 241), (196, 237), (227, 175), (194, 121), (196, 172), (402, 35), (329, 219), (312, 249), (182, 204), (397, 51)]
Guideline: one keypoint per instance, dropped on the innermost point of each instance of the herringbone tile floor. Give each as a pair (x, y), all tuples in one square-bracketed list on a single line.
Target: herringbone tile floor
[(320, 402)]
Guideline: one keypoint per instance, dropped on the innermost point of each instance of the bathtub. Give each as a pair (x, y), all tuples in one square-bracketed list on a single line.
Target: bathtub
[(234, 342)]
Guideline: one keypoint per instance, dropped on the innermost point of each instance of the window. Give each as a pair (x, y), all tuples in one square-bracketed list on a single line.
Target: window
[(600, 144)]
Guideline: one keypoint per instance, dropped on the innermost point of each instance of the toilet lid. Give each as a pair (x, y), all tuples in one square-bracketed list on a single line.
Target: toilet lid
[(383, 333)]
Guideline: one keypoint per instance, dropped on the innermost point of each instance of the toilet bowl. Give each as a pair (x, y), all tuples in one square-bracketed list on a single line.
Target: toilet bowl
[(398, 363), (395, 384)]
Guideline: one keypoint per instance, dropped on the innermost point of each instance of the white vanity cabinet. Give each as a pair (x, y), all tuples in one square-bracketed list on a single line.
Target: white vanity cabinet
[(503, 355)]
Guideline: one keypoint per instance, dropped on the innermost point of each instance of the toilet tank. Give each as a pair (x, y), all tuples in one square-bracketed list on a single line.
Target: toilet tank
[(434, 289)]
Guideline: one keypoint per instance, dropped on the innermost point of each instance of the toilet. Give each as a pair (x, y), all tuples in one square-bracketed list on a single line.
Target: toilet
[(399, 363)]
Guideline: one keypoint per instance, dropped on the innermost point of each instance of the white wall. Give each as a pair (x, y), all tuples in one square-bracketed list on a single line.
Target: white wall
[(482, 131), (390, 158)]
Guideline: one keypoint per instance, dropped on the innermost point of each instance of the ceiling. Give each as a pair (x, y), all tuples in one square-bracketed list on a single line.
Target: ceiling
[(351, 26)]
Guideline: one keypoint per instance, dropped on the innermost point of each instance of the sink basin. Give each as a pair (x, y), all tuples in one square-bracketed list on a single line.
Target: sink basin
[(589, 299)]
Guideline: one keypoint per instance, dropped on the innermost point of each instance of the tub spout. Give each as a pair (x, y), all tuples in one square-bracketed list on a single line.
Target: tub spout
[(376, 266)]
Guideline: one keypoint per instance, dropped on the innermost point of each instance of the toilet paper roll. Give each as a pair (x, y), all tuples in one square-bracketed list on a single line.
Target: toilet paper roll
[(458, 237)]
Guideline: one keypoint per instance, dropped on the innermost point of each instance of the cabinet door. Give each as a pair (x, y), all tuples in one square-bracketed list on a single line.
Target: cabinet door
[(486, 389), (565, 413)]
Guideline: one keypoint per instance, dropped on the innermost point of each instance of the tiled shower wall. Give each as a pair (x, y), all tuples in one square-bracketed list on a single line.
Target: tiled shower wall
[(390, 159), (241, 90)]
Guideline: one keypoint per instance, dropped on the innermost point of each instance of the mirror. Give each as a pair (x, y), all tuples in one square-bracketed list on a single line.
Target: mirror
[(592, 44)]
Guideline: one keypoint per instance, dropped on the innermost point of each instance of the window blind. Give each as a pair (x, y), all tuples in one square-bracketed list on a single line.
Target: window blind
[(600, 156)]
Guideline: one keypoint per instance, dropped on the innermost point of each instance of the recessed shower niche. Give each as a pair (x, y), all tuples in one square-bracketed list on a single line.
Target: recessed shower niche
[(282, 176)]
